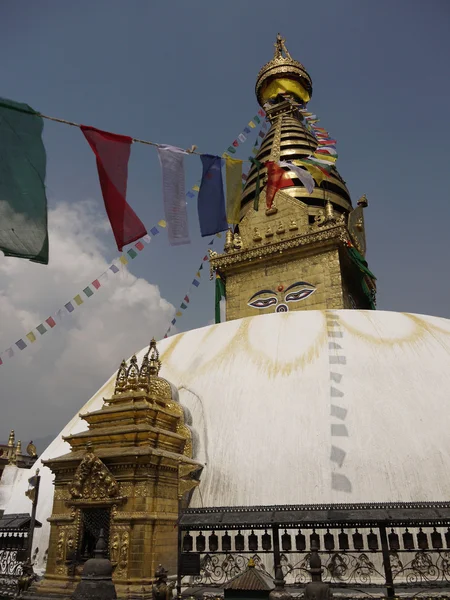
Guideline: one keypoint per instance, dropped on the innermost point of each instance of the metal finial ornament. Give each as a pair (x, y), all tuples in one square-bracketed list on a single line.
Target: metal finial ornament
[(363, 201), (121, 379), (154, 362), (280, 46), (133, 374)]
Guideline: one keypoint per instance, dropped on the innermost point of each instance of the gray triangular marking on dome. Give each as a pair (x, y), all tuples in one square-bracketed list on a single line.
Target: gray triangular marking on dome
[(338, 411), (339, 430), (335, 334), (337, 455), (340, 482), (333, 323), (334, 346), (337, 360), (335, 393), (336, 377)]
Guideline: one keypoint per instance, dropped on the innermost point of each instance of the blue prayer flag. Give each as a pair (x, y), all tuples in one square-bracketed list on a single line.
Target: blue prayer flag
[(114, 269), (196, 282), (247, 130), (154, 231), (21, 344), (211, 199), (190, 194), (173, 321)]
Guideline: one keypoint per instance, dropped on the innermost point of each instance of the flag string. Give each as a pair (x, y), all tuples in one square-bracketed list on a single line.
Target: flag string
[(96, 284), (240, 138)]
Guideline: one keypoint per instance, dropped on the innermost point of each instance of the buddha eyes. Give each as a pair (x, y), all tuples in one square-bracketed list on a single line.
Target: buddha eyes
[(263, 302), (299, 295)]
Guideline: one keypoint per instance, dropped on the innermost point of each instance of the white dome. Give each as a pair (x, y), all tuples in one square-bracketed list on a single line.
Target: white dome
[(304, 407)]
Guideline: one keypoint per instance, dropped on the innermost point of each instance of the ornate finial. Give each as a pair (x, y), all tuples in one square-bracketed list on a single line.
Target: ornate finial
[(280, 46), (19, 448), (363, 201), (132, 374), (329, 212), (154, 362), (144, 374), (11, 438), (31, 450), (251, 563), (121, 379), (228, 241)]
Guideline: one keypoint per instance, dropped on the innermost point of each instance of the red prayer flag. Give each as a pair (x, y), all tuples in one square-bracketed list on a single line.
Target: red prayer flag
[(112, 152), (186, 299), (276, 180), (261, 113), (51, 321), (235, 143), (140, 246), (96, 284)]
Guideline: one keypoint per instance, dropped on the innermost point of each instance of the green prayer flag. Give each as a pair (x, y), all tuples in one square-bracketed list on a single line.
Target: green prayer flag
[(183, 306), (258, 165), (220, 304), (23, 203), (132, 253), (87, 290), (41, 328)]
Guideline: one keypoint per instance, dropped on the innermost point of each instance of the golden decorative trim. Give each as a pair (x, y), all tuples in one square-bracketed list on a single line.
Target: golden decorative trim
[(93, 480), (223, 261)]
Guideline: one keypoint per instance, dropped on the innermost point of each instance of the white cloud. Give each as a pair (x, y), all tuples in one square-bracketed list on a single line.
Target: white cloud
[(43, 386)]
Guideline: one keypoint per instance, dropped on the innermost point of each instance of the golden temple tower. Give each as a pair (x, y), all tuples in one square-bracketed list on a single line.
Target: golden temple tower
[(126, 474), (306, 251)]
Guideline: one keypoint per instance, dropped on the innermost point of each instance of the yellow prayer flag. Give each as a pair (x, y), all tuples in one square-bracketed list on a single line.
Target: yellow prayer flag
[(198, 274), (162, 223), (196, 188), (225, 155), (179, 313), (327, 157), (318, 175), (251, 124), (234, 188), (31, 337), (78, 299), (123, 260), (219, 235)]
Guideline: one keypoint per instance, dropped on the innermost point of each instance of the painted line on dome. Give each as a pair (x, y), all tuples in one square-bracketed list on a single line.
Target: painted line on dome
[(336, 357)]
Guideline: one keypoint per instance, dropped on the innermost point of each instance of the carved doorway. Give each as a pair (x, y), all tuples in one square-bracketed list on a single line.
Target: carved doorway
[(92, 520)]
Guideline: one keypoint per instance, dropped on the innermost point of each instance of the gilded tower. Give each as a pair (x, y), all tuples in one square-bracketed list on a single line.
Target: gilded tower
[(305, 249), (126, 475)]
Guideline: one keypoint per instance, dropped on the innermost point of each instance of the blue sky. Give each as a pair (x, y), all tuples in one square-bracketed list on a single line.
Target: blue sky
[(183, 73)]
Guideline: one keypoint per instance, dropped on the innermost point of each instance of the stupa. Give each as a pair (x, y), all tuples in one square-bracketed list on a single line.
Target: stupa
[(305, 394)]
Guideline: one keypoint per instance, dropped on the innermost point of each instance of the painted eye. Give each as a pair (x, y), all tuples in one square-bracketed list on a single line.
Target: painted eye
[(263, 302), (299, 294)]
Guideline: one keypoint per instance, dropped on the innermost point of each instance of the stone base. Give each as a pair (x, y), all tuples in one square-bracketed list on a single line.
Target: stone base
[(63, 590)]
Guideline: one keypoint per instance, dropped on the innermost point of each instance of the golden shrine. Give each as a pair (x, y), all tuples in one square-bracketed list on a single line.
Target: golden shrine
[(293, 255), (125, 475)]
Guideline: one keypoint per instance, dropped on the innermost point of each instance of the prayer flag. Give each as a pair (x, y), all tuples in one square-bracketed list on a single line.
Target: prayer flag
[(327, 142), (244, 176), (186, 299), (274, 182), (316, 171), (235, 143), (211, 242), (139, 246), (183, 306), (96, 283), (211, 199), (327, 150), (261, 113), (132, 253), (303, 175), (69, 308), (261, 134), (31, 337), (190, 194), (112, 153), (231, 150), (162, 223), (257, 119), (233, 174), (220, 300), (325, 157), (1, 361), (173, 321), (205, 258), (219, 235), (198, 272), (21, 344), (9, 352), (179, 313), (251, 124), (78, 300), (195, 282), (147, 239), (23, 205), (195, 188), (241, 137), (172, 166), (247, 130), (255, 150), (154, 230), (41, 328), (50, 322), (123, 260), (87, 290), (113, 268)]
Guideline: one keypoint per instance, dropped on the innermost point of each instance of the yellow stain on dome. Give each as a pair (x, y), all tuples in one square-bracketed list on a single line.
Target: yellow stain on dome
[(283, 85)]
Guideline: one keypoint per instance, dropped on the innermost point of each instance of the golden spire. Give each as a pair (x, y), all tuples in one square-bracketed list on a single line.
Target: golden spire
[(121, 379), (283, 74), (133, 374), (154, 362)]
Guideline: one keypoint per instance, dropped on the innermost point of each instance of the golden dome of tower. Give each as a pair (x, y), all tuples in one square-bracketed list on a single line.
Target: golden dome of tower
[(282, 84)]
